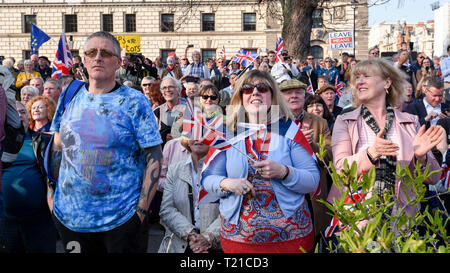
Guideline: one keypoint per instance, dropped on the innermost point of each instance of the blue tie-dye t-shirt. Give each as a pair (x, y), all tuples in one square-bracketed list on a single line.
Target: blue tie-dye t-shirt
[(102, 167)]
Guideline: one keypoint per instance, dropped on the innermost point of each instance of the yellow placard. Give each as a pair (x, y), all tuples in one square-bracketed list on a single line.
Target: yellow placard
[(131, 43)]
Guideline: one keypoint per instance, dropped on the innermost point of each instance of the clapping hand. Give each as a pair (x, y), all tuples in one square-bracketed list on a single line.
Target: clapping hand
[(382, 147), (424, 141)]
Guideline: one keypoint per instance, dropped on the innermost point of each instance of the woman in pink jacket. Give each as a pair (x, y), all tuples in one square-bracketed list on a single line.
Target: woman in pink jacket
[(377, 134)]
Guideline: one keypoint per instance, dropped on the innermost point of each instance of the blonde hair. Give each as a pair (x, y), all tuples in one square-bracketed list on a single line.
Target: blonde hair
[(236, 103), (385, 70)]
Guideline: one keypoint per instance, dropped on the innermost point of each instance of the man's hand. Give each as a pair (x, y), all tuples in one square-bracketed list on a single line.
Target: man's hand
[(308, 133)]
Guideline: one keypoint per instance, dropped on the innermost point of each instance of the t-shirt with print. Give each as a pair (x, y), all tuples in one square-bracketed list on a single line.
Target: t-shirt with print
[(102, 167)]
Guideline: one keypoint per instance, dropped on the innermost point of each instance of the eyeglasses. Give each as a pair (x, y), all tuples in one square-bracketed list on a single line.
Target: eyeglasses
[(315, 105), (206, 97), (375, 53), (167, 87), (310, 58), (147, 84), (92, 53), (261, 87)]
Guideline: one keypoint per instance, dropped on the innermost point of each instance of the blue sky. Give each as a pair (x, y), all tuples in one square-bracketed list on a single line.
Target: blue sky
[(411, 10)]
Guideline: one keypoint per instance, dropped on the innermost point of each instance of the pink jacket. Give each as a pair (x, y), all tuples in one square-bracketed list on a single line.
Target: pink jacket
[(344, 141)]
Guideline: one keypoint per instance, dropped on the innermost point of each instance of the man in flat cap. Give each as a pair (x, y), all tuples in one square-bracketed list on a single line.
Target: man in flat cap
[(312, 126)]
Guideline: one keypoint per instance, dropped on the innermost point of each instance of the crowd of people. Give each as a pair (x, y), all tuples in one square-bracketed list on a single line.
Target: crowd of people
[(121, 160)]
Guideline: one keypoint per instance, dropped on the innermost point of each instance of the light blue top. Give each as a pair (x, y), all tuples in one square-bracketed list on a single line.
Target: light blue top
[(102, 167), (290, 193)]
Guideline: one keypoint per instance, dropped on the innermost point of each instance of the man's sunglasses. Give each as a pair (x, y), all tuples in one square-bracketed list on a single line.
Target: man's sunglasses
[(248, 88), (92, 53), (206, 97), (147, 84)]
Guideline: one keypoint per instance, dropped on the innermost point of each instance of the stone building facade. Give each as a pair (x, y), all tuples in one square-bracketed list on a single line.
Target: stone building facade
[(388, 36), (165, 26)]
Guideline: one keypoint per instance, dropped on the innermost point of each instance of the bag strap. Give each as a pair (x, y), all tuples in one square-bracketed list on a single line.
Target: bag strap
[(71, 91), (68, 94)]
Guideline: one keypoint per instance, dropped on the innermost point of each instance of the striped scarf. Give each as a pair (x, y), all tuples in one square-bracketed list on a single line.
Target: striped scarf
[(385, 172)]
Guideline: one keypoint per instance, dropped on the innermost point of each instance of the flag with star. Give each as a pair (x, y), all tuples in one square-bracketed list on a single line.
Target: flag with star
[(38, 37)]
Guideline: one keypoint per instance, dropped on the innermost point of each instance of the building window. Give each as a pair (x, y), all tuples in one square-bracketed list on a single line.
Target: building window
[(70, 23), (27, 21), (317, 20), (107, 22), (208, 54), (26, 54), (167, 24), (165, 53), (130, 22), (249, 22), (208, 22), (317, 52)]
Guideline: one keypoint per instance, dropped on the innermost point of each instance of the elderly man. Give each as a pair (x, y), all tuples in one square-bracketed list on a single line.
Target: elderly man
[(172, 69), (110, 162), (52, 89), (197, 68), (312, 126), (146, 83), (38, 82)]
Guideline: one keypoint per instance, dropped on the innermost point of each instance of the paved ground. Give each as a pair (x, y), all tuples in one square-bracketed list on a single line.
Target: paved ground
[(156, 234)]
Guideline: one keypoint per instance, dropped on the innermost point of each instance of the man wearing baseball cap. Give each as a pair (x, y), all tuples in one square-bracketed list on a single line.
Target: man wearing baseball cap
[(312, 126), (282, 71)]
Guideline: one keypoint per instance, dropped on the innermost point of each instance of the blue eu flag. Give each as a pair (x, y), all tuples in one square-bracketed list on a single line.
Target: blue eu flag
[(38, 37)]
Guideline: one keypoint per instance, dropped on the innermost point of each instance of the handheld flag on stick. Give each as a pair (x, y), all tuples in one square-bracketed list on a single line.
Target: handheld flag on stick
[(339, 87), (38, 37), (245, 57), (63, 59), (278, 48)]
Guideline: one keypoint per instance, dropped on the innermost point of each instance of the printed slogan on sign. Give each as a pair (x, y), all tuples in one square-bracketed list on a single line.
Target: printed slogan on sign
[(341, 40)]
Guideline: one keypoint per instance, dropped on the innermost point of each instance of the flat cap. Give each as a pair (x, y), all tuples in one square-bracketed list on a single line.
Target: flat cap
[(291, 84)]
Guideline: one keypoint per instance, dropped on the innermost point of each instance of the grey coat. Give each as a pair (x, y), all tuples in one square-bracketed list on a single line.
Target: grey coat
[(176, 215)]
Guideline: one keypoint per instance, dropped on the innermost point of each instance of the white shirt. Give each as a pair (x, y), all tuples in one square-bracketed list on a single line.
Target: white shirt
[(279, 74), (430, 109)]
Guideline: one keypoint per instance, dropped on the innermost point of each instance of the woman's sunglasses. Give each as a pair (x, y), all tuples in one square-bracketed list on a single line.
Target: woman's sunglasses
[(248, 88), (206, 97)]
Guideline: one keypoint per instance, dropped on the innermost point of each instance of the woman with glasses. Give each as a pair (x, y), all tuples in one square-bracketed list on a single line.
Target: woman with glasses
[(24, 77), (40, 113), (314, 104), (263, 179)]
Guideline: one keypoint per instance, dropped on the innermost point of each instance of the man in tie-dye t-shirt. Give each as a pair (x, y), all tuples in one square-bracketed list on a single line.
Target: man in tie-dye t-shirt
[(110, 158)]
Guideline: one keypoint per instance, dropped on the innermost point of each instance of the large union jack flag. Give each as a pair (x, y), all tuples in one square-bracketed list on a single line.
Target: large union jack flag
[(245, 57), (278, 48), (63, 59)]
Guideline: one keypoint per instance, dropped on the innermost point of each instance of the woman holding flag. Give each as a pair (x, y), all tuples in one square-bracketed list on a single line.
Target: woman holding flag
[(263, 178)]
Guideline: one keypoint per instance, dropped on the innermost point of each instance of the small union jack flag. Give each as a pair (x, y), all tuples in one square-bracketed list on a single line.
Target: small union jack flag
[(222, 53), (339, 87), (63, 59), (245, 58), (310, 89), (278, 48)]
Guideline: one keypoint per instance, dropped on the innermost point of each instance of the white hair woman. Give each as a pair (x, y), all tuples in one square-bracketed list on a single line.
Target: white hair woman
[(27, 93)]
